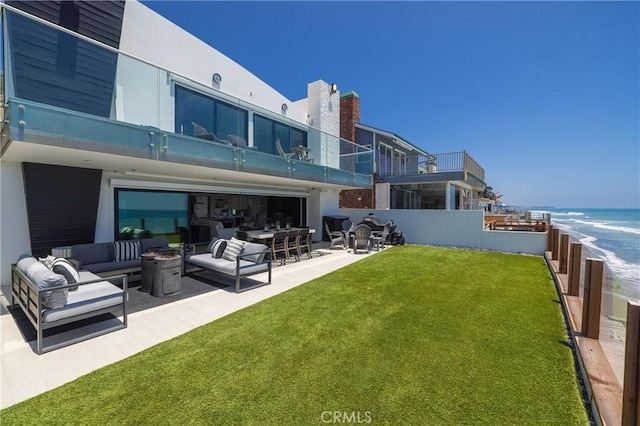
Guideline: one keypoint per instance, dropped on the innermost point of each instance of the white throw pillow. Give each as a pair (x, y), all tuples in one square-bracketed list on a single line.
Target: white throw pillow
[(233, 249)]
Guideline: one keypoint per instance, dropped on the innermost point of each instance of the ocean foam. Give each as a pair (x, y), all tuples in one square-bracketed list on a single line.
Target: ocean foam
[(607, 226), (628, 272)]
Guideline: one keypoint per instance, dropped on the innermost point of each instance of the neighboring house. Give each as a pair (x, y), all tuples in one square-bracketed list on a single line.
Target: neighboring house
[(406, 176), (119, 124)]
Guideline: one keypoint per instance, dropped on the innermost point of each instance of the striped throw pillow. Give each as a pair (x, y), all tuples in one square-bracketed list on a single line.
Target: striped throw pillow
[(233, 249), (126, 250)]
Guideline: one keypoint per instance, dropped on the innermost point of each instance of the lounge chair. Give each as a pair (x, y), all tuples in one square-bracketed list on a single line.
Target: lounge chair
[(281, 150), (337, 237), (361, 238), (239, 142), (202, 133)]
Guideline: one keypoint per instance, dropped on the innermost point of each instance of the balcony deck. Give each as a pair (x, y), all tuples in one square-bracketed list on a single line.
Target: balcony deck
[(433, 168), (44, 125)]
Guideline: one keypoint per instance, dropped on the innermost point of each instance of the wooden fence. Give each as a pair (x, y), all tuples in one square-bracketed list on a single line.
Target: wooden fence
[(611, 403)]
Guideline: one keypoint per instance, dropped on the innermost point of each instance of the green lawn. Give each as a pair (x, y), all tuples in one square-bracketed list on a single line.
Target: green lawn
[(414, 335)]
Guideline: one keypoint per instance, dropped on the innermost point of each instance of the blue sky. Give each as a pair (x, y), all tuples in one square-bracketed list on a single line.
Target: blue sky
[(544, 95)]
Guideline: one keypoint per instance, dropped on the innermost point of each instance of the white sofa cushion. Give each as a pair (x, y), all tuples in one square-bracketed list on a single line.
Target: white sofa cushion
[(255, 252)]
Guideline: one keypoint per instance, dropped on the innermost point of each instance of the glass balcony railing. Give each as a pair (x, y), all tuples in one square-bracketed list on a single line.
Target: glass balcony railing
[(85, 95), (45, 124), (432, 163)]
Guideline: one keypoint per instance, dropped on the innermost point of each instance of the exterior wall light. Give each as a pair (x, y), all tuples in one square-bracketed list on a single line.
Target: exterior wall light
[(333, 89), (217, 78), (284, 107)]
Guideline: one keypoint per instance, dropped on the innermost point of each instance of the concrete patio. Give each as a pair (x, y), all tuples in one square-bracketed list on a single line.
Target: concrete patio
[(26, 374)]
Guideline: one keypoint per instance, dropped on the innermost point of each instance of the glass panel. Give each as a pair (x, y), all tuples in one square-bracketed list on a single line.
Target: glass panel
[(193, 107), (263, 137), (298, 137), (282, 132), (143, 214), (58, 69), (137, 92), (230, 121), (2, 98)]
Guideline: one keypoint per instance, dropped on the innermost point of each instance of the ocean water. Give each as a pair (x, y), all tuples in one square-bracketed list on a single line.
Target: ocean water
[(157, 221), (610, 234)]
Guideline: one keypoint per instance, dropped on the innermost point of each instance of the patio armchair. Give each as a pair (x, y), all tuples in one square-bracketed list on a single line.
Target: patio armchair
[(336, 237), (361, 238), (388, 231)]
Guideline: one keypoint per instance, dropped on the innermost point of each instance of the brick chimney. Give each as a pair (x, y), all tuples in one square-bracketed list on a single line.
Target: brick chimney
[(349, 115)]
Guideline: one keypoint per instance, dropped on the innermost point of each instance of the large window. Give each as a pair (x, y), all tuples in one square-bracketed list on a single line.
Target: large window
[(143, 214), (386, 158), (217, 117), (266, 131), (400, 163)]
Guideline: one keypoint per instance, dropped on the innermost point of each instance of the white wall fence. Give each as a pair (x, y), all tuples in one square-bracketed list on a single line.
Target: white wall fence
[(454, 228)]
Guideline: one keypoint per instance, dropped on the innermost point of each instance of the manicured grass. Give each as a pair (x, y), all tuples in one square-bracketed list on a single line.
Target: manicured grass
[(413, 335)]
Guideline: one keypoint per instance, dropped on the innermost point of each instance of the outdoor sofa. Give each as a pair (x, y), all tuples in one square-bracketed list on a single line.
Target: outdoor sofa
[(50, 299), (114, 258), (234, 258)]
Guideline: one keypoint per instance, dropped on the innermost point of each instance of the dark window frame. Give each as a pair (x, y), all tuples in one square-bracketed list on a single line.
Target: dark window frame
[(116, 203), (214, 123), (286, 145)]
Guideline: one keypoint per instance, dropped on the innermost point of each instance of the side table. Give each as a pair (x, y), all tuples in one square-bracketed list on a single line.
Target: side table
[(377, 242)]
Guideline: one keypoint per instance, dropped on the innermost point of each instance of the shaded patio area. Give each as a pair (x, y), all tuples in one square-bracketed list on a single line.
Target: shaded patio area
[(151, 320)]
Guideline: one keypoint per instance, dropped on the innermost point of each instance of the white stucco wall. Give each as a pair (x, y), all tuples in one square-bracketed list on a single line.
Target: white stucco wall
[(324, 112), (149, 36), (14, 231), (320, 203), (455, 228)]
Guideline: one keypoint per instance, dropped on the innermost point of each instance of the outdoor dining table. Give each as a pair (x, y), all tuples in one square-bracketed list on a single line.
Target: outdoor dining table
[(302, 152)]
